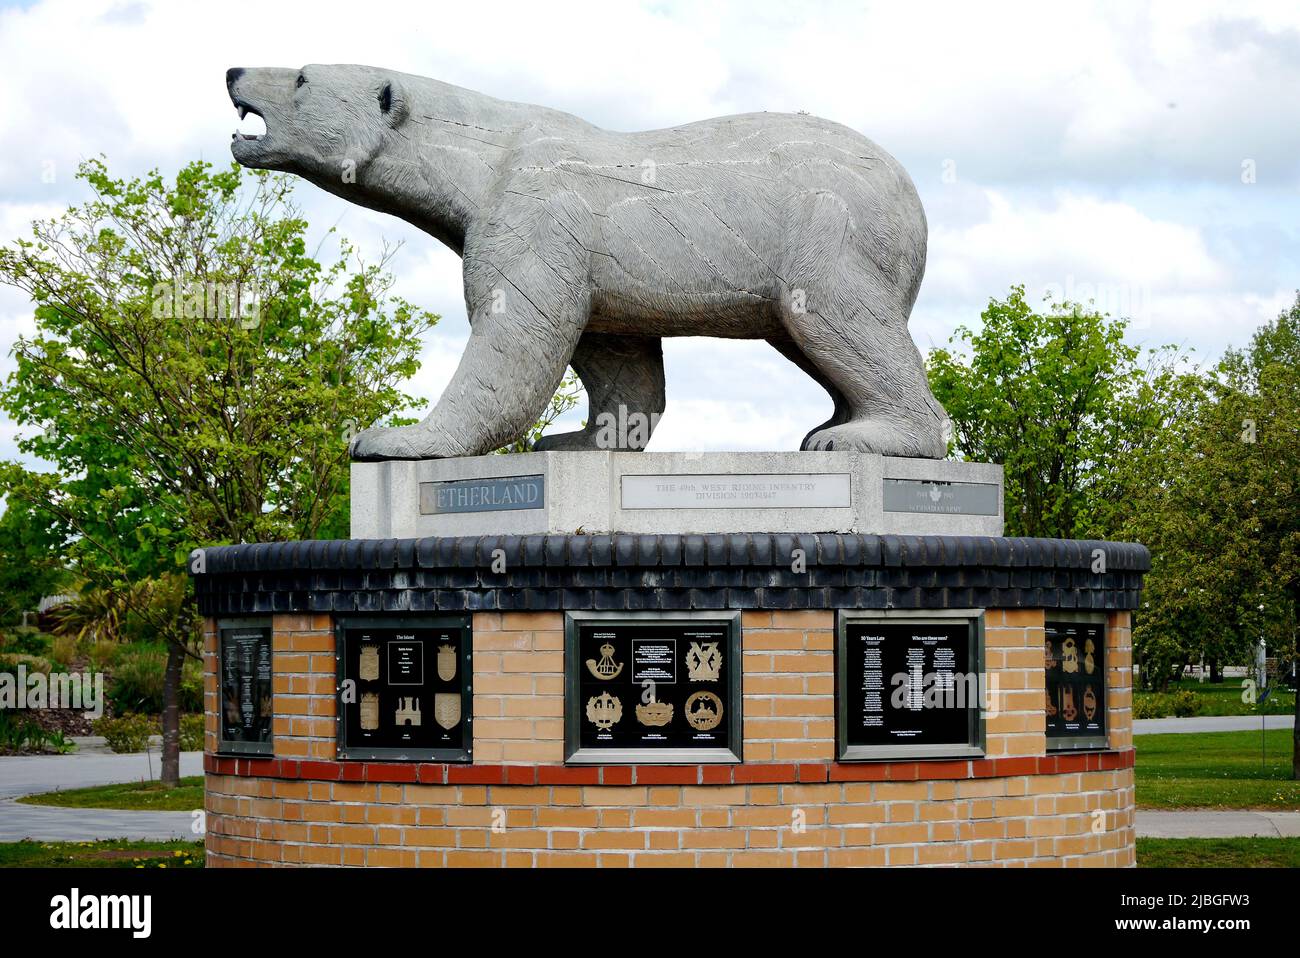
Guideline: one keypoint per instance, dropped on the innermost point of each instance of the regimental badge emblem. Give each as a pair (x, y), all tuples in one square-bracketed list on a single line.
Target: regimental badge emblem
[(1090, 704), (703, 662), (1048, 655), (606, 668), (1069, 711), (604, 710), (703, 711), (446, 662), (935, 494), (446, 709), (368, 667), (1069, 656), (408, 711), (655, 714), (1089, 647), (369, 711), (1051, 706)]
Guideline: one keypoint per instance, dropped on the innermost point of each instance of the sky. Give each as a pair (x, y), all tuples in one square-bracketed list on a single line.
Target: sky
[(1145, 156)]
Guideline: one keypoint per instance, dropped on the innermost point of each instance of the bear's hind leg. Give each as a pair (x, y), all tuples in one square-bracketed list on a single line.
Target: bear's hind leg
[(624, 380)]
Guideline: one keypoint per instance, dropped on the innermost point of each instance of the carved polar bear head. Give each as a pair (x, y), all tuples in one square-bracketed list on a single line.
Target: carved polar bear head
[(322, 121)]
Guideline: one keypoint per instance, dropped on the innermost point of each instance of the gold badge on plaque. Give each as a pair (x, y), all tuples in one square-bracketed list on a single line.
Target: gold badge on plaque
[(703, 711), (1088, 649), (1069, 656), (408, 711), (655, 714), (446, 709), (1069, 711), (446, 662), (369, 711), (1048, 655), (604, 710), (703, 662), (1090, 704), (368, 668), (606, 668)]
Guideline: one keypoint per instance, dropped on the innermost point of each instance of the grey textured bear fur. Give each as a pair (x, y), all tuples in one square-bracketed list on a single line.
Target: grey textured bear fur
[(584, 246)]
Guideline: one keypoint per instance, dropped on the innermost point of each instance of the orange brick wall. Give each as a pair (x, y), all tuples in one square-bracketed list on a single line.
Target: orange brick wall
[(1075, 818)]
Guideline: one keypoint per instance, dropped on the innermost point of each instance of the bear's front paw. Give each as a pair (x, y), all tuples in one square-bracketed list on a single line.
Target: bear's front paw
[(403, 442)]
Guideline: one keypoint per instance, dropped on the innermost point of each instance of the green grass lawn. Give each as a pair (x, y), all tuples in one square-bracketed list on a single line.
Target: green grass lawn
[(1225, 698), (1216, 770), (137, 796), (107, 854), (1218, 852)]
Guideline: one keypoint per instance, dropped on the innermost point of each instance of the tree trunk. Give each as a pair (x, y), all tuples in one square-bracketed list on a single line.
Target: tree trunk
[(1216, 676), (171, 717)]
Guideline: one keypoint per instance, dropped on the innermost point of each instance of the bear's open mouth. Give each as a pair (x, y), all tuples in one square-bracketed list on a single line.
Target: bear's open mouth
[(244, 108)]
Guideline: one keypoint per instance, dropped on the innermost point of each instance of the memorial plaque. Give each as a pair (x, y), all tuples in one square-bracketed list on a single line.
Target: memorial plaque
[(651, 688), (1075, 660), (772, 491), (244, 650), (404, 688), (951, 498), (910, 685), (482, 495)]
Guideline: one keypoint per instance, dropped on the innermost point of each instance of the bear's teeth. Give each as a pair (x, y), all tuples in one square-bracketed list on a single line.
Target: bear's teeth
[(243, 112)]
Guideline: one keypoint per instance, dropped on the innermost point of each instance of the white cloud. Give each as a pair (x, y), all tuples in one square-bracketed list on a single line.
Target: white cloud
[(1093, 145)]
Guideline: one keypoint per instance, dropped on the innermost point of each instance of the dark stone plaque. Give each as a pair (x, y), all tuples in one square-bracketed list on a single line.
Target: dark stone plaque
[(404, 688), (1075, 658), (246, 704), (950, 498), (909, 686), (483, 495), (653, 689)]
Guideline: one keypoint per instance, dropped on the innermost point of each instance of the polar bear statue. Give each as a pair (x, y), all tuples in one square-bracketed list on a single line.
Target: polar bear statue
[(585, 247)]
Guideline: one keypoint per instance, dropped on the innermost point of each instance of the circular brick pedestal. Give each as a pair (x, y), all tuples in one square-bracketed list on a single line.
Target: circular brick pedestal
[(788, 803)]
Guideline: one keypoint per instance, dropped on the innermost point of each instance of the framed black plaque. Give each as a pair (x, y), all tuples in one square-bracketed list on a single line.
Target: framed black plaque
[(404, 688), (652, 687), (244, 672), (910, 684), (1074, 650)]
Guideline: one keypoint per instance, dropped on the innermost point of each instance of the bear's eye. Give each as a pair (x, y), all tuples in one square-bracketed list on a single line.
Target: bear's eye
[(301, 80), (386, 97)]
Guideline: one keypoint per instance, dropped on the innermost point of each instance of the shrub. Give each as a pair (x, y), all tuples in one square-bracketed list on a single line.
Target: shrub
[(137, 681), (63, 650), (1147, 705), (130, 733), (18, 733), (26, 640), (140, 675), (9, 662), (103, 654), (191, 733), (1185, 703)]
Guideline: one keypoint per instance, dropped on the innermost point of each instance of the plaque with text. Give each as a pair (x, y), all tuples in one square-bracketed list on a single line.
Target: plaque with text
[(1075, 660), (909, 686), (735, 491), (653, 688), (244, 653), (404, 688), (505, 494)]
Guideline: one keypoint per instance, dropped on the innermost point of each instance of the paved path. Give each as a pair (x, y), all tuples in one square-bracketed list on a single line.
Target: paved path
[(32, 774), (1211, 723), (1197, 823)]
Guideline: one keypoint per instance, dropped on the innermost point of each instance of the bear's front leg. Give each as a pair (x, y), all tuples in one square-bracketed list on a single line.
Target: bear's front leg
[(528, 299)]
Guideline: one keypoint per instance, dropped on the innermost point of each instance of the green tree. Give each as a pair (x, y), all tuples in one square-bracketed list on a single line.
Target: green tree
[(1054, 396), (194, 375), (31, 560)]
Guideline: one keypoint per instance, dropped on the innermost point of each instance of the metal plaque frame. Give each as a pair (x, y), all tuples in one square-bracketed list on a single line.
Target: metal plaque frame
[(1081, 743), (575, 754), (227, 746), (977, 732), (344, 623)]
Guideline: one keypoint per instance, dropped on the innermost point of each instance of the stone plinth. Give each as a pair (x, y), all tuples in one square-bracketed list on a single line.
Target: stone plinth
[(678, 492)]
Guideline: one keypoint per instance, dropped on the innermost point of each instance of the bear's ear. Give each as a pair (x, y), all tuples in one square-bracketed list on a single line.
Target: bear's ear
[(392, 102)]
